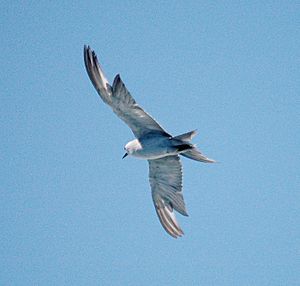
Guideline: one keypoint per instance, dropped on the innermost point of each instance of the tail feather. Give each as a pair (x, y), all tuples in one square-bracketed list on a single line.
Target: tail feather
[(186, 149), (186, 136), (196, 155)]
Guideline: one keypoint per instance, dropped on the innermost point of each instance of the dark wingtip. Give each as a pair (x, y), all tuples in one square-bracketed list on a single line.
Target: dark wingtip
[(86, 48)]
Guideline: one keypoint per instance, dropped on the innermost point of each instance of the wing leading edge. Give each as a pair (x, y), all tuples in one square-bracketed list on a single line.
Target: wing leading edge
[(119, 99)]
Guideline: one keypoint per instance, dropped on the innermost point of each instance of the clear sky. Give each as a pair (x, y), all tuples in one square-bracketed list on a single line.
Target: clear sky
[(72, 212)]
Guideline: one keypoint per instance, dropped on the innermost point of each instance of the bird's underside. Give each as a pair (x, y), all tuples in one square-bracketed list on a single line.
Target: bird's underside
[(165, 173)]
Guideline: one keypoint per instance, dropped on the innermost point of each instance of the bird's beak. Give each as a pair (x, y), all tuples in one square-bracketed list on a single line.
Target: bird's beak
[(126, 154)]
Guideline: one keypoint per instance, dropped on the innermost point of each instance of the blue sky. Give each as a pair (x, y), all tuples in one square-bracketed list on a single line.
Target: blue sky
[(74, 213)]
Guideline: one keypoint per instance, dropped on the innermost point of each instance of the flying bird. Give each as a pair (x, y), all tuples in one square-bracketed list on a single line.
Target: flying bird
[(152, 143)]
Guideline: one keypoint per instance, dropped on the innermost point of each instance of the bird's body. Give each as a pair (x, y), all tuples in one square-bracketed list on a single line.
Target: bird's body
[(155, 146), (152, 143)]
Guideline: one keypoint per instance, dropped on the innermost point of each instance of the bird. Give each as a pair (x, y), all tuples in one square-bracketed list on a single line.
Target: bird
[(151, 143)]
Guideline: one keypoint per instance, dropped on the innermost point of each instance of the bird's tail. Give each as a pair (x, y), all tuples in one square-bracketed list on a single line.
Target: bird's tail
[(186, 137), (189, 150), (196, 155), (186, 149)]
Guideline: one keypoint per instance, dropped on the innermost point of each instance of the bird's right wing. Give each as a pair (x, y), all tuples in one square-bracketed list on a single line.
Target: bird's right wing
[(165, 175), (119, 99)]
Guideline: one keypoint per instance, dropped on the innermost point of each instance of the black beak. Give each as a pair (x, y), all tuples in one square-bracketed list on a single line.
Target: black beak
[(126, 154)]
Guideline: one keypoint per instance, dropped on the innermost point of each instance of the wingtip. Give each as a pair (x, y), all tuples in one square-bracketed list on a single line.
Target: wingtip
[(86, 48), (88, 59), (90, 53), (169, 222)]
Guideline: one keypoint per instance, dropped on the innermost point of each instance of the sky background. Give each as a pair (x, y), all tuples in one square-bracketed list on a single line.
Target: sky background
[(72, 212)]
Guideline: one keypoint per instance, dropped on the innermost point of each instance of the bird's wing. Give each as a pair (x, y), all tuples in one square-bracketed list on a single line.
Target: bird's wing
[(119, 99), (165, 177)]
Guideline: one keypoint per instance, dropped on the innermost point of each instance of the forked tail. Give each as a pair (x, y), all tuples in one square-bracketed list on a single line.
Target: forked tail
[(191, 151)]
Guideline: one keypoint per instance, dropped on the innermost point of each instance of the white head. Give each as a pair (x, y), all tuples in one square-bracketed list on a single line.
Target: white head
[(131, 147)]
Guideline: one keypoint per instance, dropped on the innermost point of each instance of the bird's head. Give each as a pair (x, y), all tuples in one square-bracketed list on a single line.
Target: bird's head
[(131, 147)]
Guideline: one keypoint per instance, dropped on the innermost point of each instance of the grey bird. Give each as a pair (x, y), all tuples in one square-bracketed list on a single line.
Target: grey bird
[(152, 143)]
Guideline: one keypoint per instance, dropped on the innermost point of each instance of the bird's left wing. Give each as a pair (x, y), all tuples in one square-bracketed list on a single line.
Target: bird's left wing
[(119, 99), (165, 175)]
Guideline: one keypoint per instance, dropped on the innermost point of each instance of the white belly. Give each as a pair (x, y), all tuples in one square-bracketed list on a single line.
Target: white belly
[(155, 148)]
